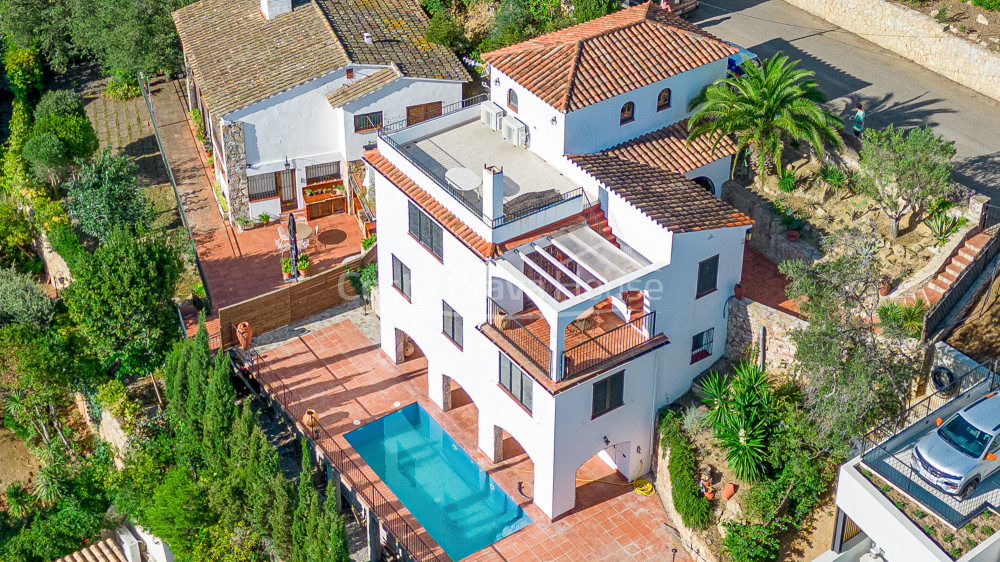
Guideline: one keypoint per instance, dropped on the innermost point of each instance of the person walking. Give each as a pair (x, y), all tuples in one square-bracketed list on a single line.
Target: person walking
[(859, 120)]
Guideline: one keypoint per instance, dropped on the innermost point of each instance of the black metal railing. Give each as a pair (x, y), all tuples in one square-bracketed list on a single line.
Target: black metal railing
[(518, 335), (388, 514), (519, 214), (144, 83), (943, 307), (605, 347), (991, 215), (924, 407), (445, 110)]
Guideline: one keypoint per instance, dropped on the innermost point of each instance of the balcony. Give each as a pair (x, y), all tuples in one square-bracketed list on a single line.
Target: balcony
[(446, 156)]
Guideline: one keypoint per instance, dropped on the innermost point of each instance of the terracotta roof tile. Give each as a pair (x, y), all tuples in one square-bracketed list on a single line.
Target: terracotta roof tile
[(104, 551), (673, 201), (609, 56), (239, 58), (666, 149), (364, 86)]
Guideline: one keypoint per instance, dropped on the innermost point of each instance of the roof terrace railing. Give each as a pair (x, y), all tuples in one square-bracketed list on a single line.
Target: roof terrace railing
[(605, 347), (472, 205), (518, 335)]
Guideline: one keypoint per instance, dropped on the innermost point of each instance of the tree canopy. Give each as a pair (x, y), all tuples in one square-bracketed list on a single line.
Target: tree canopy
[(763, 108), (105, 195)]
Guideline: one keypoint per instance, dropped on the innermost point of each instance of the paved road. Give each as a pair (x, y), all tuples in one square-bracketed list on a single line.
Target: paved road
[(850, 69)]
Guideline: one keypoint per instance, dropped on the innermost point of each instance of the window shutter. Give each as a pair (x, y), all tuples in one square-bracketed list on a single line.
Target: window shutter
[(458, 330), (406, 281), (616, 392), (414, 220), (600, 397), (526, 386), (437, 242)]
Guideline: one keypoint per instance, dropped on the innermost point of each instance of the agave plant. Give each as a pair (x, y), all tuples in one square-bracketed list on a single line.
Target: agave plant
[(746, 447), (717, 397), (890, 314), (740, 414), (834, 178), (18, 500), (942, 226), (786, 181), (912, 318)]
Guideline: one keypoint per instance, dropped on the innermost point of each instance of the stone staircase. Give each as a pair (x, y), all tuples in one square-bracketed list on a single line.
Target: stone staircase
[(598, 221), (942, 282)]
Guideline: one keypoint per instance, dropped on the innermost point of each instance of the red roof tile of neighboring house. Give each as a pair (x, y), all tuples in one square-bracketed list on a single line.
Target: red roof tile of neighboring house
[(673, 201), (104, 551), (609, 56), (666, 149)]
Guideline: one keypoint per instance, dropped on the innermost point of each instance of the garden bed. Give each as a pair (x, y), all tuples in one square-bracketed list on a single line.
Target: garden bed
[(814, 209), (956, 542)]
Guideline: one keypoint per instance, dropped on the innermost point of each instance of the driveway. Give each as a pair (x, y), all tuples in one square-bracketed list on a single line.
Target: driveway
[(849, 69)]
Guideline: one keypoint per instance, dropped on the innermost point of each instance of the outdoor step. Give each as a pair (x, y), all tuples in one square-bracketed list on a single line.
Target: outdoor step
[(929, 295), (940, 284), (968, 253), (961, 261), (978, 242), (954, 269), (948, 277)]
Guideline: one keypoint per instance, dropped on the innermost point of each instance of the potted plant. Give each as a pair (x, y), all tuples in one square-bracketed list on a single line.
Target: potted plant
[(211, 162), (739, 291), (286, 268), (198, 295), (303, 265), (264, 218), (884, 286), (244, 223)]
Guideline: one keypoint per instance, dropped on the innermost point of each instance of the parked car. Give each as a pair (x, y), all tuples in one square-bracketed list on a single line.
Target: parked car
[(962, 452), (737, 60)]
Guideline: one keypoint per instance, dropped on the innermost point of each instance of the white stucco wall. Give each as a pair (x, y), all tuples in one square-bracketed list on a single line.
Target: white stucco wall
[(717, 171), (392, 101), (544, 138), (596, 127)]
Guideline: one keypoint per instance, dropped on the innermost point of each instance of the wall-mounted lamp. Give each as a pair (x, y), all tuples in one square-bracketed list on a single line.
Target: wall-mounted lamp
[(638, 449), (496, 81), (287, 165), (748, 235), (554, 120), (606, 441)]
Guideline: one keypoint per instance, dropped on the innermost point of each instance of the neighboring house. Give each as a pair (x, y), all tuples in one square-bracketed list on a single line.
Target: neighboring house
[(291, 92), (101, 551), (549, 249)]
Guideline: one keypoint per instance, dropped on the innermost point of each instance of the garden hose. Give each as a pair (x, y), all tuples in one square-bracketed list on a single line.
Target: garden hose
[(639, 486)]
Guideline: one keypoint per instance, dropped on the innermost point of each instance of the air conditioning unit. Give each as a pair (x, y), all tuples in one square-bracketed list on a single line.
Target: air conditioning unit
[(515, 132), (491, 114)]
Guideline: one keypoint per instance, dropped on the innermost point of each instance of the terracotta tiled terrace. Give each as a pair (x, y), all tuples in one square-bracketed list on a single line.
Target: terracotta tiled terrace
[(764, 283), (344, 377), (237, 265)]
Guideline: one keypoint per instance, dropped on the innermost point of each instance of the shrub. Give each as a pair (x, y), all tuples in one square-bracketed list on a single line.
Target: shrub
[(586, 10), (16, 237), (987, 530), (694, 508), (751, 542), (24, 70), (444, 30), (695, 420), (786, 181), (833, 177), (367, 242), (943, 225), (905, 319), (113, 397), (106, 195), (942, 15), (14, 177), (123, 88), (47, 156), (59, 102), (992, 5), (74, 131), (741, 415), (22, 302)]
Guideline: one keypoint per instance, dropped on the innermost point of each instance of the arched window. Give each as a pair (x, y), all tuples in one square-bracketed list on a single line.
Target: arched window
[(663, 100), (628, 113), (512, 99)]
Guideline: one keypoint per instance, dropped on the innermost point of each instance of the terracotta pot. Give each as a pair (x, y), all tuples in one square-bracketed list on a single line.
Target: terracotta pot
[(884, 288), (739, 291), (304, 272), (310, 421), (408, 348), (792, 235), (244, 334), (286, 274), (709, 494), (729, 490)]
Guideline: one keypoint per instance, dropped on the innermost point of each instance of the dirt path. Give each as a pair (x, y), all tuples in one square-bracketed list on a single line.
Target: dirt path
[(17, 464)]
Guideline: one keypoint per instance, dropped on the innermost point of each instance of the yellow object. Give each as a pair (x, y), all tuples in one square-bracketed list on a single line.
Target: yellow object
[(642, 487)]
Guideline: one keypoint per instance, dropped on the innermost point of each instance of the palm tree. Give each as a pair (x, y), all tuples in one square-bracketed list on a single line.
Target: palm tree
[(764, 107)]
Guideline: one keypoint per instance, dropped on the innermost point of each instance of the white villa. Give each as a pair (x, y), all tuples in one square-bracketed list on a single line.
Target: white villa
[(556, 250), (291, 92)]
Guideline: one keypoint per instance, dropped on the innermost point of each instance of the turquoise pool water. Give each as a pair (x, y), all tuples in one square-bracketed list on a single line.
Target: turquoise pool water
[(461, 507)]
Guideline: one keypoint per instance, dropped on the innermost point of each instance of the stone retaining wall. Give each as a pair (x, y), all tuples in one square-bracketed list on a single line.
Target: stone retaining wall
[(768, 234), (56, 270), (745, 319), (693, 541), (915, 36)]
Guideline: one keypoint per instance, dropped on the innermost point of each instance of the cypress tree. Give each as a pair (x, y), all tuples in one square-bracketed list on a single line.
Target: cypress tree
[(260, 475), (308, 498), (197, 376), (338, 548), (281, 517), (220, 413), (177, 390)]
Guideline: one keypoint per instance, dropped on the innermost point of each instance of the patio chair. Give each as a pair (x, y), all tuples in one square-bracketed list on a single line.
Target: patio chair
[(303, 244), (283, 233), (315, 236), (282, 245)]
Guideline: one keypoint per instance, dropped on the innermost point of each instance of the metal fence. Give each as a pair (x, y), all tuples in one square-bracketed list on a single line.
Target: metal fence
[(144, 82), (445, 110), (518, 335), (400, 530), (598, 349), (943, 307), (991, 215)]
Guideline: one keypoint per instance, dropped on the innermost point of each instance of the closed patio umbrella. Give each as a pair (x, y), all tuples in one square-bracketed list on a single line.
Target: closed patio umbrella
[(293, 245)]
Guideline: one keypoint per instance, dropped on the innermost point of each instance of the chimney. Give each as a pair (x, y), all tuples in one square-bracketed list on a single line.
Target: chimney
[(274, 8), (492, 192), (369, 40)]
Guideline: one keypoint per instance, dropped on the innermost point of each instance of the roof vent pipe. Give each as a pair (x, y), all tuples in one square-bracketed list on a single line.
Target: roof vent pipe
[(368, 39)]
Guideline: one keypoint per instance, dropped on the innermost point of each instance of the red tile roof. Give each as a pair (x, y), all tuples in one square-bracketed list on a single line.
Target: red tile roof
[(104, 551), (667, 149), (673, 201), (609, 56)]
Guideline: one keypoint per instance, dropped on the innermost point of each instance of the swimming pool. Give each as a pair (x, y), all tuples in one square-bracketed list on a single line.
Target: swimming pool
[(461, 507)]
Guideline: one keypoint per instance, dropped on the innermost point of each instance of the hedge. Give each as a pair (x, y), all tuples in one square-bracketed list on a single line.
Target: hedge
[(694, 508)]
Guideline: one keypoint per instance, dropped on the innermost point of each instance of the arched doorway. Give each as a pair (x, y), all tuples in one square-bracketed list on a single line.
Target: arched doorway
[(602, 476), (706, 183)]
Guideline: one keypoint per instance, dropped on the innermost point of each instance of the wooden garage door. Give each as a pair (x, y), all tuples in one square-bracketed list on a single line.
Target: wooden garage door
[(417, 113)]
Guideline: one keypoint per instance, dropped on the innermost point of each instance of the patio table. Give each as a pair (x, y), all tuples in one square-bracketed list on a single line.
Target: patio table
[(464, 179)]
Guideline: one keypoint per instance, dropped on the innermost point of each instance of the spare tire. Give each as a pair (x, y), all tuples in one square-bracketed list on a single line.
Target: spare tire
[(944, 381)]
